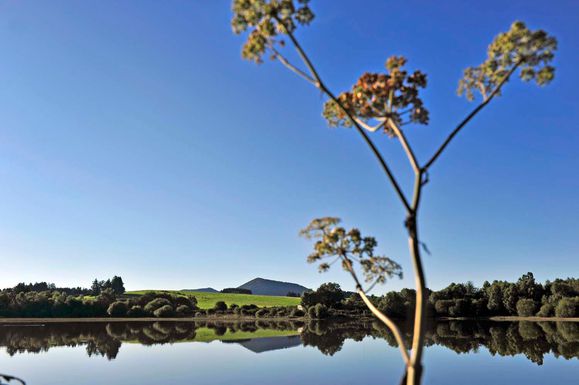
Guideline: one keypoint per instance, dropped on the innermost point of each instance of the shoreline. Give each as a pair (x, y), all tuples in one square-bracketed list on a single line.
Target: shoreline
[(35, 321)]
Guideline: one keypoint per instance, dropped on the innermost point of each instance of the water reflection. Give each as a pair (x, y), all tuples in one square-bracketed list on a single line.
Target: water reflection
[(534, 340)]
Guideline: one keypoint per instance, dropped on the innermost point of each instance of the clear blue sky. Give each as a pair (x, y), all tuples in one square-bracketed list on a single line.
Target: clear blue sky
[(135, 141)]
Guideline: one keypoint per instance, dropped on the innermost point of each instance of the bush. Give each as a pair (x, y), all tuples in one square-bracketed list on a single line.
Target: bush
[(118, 309), (136, 311), (157, 303), (184, 310), (546, 310), (526, 307), (190, 302), (220, 306), (567, 307), (442, 306), (164, 311), (459, 309)]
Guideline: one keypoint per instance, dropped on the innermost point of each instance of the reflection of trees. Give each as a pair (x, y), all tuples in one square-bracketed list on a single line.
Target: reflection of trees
[(105, 339), (532, 339)]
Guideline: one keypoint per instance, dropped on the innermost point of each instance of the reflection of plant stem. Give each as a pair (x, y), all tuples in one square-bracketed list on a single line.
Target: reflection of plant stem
[(381, 316), (12, 378)]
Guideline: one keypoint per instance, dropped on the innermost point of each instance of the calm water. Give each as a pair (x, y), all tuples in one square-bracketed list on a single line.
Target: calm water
[(286, 353)]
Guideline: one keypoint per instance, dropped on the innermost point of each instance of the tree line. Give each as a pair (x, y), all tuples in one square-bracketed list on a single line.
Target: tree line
[(46, 304), (525, 297), (115, 284)]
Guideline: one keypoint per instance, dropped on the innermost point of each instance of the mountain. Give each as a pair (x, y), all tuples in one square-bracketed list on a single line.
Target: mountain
[(267, 344), (203, 290), (261, 286)]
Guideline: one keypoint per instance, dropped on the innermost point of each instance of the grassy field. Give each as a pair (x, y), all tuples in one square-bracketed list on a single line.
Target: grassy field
[(208, 300)]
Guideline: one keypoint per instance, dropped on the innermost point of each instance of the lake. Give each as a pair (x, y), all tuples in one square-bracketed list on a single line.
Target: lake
[(280, 353)]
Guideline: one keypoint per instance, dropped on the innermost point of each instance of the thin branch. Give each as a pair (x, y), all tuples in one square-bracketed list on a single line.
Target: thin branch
[(471, 115), (369, 288), (292, 67), (367, 126), (319, 84), (400, 134)]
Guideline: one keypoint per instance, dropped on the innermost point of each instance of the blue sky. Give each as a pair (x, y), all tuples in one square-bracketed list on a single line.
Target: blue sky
[(135, 141)]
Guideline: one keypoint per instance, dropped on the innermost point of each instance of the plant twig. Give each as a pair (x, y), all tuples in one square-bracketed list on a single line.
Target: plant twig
[(292, 67), (400, 134), (319, 84), (471, 115)]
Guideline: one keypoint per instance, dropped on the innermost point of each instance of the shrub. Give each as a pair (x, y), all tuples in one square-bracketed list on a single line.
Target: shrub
[(567, 307), (220, 306), (156, 304), (442, 306), (526, 307), (459, 309), (546, 310), (136, 311), (184, 310), (118, 309), (190, 302), (164, 311)]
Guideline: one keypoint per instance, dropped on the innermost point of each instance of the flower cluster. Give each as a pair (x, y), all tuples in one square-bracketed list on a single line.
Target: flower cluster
[(349, 247), (266, 20), (393, 95), (531, 51)]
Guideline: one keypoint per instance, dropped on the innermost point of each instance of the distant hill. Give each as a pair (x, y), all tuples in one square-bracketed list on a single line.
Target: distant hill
[(261, 286), (203, 290)]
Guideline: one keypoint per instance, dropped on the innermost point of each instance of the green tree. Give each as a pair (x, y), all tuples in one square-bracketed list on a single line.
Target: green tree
[(329, 294), (385, 102), (526, 307), (393, 305), (567, 307), (495, 295), (510, 298), (117, 285), (96, 287)]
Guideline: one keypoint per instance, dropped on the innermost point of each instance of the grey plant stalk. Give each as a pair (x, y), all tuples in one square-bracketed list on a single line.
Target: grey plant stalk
[(413, 361)]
